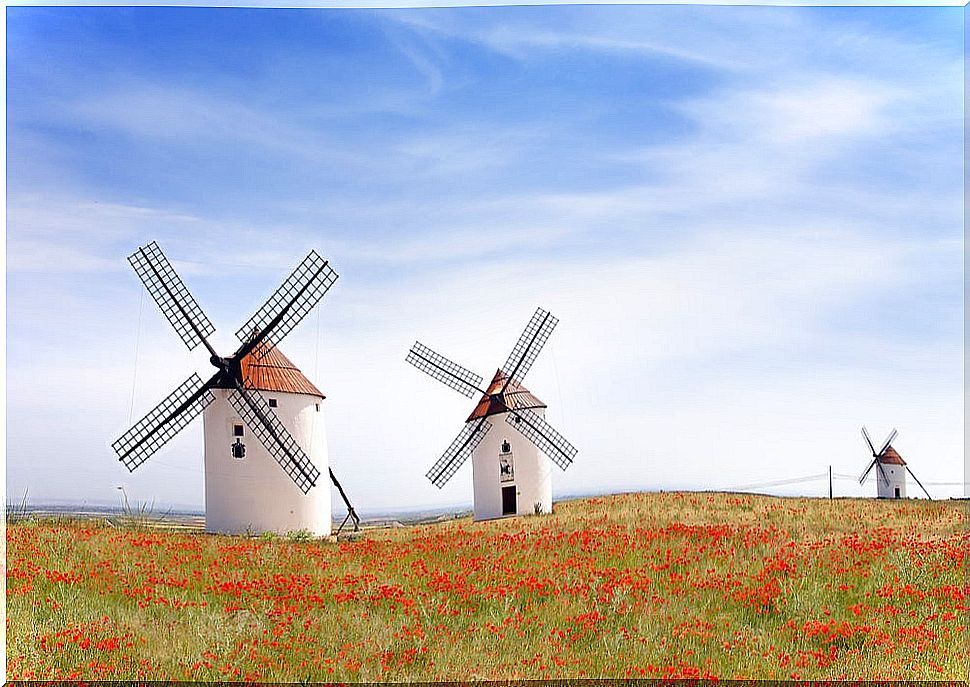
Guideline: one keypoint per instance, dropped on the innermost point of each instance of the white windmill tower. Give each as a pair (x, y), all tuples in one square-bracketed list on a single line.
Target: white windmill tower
[(511, 470), (260, 412), (892, 469)]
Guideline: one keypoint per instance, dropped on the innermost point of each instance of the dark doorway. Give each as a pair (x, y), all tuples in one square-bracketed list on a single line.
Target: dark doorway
[(508, 500), (897, 492)]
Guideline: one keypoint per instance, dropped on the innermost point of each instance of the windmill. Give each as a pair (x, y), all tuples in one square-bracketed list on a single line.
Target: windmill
[(255, 393), (511, 470), (892, 469)]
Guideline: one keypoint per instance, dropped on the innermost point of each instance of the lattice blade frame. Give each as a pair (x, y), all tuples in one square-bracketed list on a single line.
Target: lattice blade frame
[(275, 438), (866, 473), (449, 373), (170, 293), (534, 428), (163, 422), (882, 471), (888, 441), (865, 435), (291, 302), (458, 452), (529, 345)]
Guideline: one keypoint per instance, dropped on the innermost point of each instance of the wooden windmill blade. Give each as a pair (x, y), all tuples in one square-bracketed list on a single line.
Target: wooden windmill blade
[(278, 442), (875, 456), (458, 452), (882, 471), (449, 373), (283, 311), (533, 427), (888, 441), (868, 469), (287, 307), (529, 345), (173, 298), (163, 422)]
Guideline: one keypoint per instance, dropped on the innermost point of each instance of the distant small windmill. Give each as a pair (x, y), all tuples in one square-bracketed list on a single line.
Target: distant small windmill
[(892, 469), (510, 470), (244, 490)]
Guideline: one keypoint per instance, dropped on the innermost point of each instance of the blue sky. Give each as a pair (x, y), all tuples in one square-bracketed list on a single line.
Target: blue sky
[(748, 220)]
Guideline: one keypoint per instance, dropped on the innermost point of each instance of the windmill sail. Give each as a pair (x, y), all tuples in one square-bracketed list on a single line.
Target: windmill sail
[(887, 442), (450, 374), (287, 307), (866, 473), (534, 428), (458, 452), (259, 416), (171, 295), (164, 421), (882, 471), (529, 345)]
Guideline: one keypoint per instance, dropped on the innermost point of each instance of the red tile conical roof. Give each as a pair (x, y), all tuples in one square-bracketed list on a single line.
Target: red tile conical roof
[(274, 372), (516, 397), (890, 457)]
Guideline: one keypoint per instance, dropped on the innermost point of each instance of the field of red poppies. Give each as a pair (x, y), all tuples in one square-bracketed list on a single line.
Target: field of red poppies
[(639, 585)]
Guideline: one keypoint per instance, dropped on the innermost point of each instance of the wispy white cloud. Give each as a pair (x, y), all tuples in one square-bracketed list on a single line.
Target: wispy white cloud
[(424, 64), (827, 108), (181, 116), (697, 279), (52, 232), (518, 43)]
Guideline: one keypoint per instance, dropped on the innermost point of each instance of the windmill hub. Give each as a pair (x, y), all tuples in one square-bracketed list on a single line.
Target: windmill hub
[(220, 362)]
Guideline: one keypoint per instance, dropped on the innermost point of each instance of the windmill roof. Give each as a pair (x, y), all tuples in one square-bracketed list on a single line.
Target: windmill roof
[(516, 397), (267, 369), (890, 457)]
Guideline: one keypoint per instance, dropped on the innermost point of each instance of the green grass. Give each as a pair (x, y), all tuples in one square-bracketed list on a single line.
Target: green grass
[(639, 585)]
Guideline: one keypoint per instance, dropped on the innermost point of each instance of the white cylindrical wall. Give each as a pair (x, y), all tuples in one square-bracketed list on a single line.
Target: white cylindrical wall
[(255, 494), (896, 475), (531, 473)]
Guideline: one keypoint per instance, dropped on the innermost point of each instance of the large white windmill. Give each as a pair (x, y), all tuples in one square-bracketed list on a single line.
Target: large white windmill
[(260, 412), (511, 470), (892, 469)]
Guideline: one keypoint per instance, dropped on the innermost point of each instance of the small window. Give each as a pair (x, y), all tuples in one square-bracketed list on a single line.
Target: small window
[(237, 430), (318, 407), (272, 403)]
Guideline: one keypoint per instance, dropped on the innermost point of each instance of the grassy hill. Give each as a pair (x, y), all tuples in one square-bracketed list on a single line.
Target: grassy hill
[(637, 585)]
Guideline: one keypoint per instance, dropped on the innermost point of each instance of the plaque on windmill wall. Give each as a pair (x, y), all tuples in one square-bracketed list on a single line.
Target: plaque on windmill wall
[(506, 469)]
